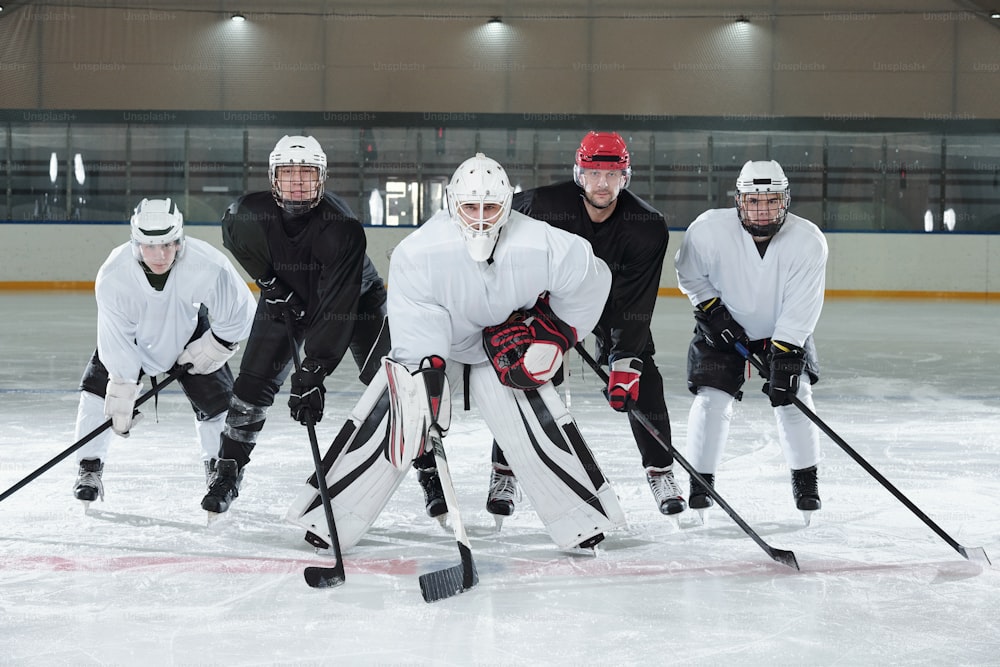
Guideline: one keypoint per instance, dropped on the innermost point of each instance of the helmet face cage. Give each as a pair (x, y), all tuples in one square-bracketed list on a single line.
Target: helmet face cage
[(303, 152), (605, 151), (762, 198), (157, 222), (480, 180)]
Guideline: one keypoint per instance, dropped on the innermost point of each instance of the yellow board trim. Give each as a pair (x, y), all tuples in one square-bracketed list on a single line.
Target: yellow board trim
[(883, 294), (88, 286)]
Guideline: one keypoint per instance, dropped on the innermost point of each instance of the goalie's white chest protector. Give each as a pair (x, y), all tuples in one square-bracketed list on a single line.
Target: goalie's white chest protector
[(440, 299)]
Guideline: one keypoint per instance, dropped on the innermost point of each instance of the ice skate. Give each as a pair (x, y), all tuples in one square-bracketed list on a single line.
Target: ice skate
[(503, 492), (699, 498), (223, 488), (666, 491), (805, 488), (316, 541), (589, 545), (434, 502), (89, 486)]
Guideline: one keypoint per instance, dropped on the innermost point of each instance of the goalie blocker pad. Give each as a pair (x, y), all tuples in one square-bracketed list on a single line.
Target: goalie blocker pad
[(544, 448), (417, 401), (359, 475)]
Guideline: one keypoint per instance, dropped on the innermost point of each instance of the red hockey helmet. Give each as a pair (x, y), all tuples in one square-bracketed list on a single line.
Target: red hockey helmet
[(603, 150)]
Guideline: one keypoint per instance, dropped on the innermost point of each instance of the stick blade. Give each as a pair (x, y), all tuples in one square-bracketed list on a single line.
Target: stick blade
[(450, 581), (324, 577), (784, 557), (975, 554)]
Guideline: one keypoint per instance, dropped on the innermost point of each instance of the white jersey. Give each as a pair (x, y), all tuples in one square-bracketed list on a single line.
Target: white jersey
[(139, 327), (778, 296), (440, 299)]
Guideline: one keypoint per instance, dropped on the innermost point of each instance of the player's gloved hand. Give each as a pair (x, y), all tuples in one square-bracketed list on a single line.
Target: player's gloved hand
[(623, 383), (552, 339), (717, 326), (527, 350), (119, 403), (787, 363), (279, 299), (207, 354), (307, 393)]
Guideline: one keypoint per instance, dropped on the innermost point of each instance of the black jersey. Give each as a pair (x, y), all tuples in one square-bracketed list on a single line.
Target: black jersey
[(320, 255), (633, 242)]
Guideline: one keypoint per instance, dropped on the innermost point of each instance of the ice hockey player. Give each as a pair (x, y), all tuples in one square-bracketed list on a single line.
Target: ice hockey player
[(162, 300), (465, 310), (756, 276), (306, 251), (631, 237)]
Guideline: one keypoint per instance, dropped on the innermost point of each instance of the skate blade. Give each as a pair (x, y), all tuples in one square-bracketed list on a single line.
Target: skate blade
[(214, 517), (807, 516), (498, 521), (86, 506), (442, 520), (593, 551)]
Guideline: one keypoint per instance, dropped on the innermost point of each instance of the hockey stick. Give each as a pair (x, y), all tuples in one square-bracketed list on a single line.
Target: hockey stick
[(171, 376), (780, 555), (319, 577), (970, 553), (450, 581)]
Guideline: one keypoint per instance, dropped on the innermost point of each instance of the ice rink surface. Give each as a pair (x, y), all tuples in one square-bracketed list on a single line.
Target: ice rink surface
[(142, 579)]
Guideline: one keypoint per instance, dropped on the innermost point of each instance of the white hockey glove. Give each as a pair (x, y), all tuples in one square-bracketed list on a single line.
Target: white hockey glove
[(206, 354), (119, 404)]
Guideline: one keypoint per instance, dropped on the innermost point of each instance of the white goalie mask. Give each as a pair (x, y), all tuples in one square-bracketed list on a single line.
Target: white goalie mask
[(762, 198), (297, 198), (479, 200), (157, 222)]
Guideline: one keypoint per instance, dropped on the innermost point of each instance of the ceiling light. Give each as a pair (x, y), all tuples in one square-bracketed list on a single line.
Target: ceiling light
[(995, 15), (239, 18), (495, 20)]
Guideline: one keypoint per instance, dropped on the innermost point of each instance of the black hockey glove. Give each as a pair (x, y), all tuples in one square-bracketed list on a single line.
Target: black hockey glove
[(308, 393), (279, 299), (717, 326), (787, 363)]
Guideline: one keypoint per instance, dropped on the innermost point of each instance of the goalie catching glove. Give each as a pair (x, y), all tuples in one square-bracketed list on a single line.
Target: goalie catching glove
[(207, 354), (787, 363), (717, 326), (527, 350)]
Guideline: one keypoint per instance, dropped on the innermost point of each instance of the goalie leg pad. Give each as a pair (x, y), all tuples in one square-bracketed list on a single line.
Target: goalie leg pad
[(418, 400), (554, 465), (359, 476)]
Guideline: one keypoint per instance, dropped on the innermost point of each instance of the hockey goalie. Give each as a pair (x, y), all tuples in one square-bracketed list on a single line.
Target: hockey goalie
[(486, 301)]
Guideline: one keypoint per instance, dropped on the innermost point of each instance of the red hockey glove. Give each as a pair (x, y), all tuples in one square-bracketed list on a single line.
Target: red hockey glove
[(623, 383)]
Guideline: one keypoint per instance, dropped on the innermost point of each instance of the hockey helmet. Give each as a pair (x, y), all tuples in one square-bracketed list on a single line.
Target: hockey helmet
[(762, 198), (605, 151), (480, 181), (301, 151), (157, 222)]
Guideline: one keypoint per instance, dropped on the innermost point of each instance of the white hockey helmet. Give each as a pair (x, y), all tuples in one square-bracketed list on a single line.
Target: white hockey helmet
[(480, 180), (761, 216), (157, 222), (297, 150)]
